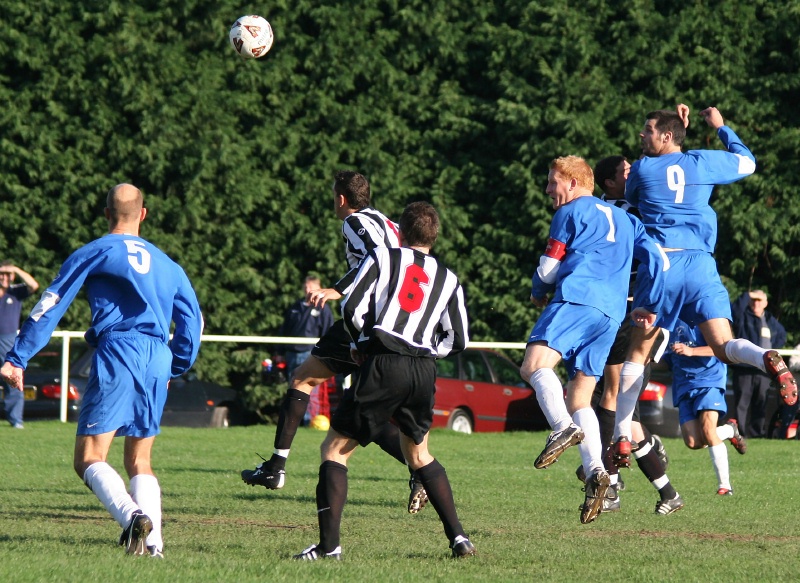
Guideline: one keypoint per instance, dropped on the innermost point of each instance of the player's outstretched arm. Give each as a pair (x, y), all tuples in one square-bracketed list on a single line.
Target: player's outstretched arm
[(320, 296), (713, 117), (188, 319), (683, 111), (12, 375)]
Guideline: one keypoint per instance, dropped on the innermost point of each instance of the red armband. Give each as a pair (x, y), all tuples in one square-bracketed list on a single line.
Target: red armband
[(555, 249)]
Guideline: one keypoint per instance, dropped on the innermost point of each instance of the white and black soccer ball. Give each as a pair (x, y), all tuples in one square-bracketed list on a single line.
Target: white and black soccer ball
[(251, 36)]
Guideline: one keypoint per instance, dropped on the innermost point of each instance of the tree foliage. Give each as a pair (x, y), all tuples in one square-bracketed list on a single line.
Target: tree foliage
[(461, 104)]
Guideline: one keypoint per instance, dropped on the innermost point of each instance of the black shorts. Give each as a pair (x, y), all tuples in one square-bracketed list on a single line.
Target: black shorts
[(619, 350), (389, 386), (333, 350)]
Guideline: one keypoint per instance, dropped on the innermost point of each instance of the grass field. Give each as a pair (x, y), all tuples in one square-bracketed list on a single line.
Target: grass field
[(524, 522)]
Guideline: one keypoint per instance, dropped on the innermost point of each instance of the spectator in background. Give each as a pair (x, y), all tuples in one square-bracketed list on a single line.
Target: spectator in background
[(11, 296), (753, 322), (303, 319)]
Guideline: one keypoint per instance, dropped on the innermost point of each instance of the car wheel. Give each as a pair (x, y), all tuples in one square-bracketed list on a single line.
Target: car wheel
[(460, 421), (220, 417)]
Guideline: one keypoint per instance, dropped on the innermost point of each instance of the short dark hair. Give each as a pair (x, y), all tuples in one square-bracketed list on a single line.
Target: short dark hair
[(419, 224), (669, 121), (354, 187), (606, 169)]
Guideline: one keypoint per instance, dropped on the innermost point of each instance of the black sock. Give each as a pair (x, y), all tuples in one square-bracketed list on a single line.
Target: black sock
[(440, 495), (276, 462), (653, 469), (605, 418), (293, 408), (331, 497), (389, 441)]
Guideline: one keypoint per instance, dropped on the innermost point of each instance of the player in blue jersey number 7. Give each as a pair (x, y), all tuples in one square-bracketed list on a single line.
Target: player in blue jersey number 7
[(672, 189), (587, 266), (135, 291)]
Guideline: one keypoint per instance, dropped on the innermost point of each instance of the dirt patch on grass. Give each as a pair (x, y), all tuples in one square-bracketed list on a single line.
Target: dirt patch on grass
[(655, 534)]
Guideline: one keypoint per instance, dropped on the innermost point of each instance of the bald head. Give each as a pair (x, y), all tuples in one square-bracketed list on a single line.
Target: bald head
[(124, 205)]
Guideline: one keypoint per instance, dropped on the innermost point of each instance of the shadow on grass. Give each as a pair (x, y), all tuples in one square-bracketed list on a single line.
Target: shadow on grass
[(192, 469), (352, 500), (64, 540), (56, 513)]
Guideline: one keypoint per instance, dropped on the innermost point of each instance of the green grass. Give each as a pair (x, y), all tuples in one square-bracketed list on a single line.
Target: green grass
[(524, 522)]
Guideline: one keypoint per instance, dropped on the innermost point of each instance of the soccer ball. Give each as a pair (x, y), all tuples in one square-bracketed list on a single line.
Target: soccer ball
[(320, 422), (251, 36)]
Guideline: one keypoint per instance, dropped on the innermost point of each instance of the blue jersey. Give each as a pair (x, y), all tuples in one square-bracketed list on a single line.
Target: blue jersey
[(589, 255), (672, 191), (132, 286), (693, 372)]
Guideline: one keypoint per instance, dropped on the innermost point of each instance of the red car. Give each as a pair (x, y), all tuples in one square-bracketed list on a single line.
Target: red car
[(481, 390)]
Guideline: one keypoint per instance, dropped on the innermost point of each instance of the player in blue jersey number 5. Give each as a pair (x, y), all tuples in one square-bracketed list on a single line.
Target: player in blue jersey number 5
[(135, 291)]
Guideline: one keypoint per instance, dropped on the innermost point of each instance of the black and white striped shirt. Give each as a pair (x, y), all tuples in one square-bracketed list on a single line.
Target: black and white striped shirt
[(404, 301), (364, 231), (623, 204)]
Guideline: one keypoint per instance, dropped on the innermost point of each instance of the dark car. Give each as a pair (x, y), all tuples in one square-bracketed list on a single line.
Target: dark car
[(656, 410), (42, 385), (190, 402), (481, 390)]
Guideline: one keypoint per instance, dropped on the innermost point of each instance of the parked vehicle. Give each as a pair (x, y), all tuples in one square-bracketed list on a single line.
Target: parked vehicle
[(190, 402), (481, 390), (656, 410), (42, 385)]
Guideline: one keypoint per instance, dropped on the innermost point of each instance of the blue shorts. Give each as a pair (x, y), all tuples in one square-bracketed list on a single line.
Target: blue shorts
[(692, 401), (583, 335), (694, 292), (127, 386)]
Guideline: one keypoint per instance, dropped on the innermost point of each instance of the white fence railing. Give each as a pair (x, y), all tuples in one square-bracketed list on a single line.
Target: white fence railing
[(66, 335)]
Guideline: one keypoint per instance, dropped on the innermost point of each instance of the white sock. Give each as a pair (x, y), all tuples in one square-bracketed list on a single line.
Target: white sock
[(719, 459), (659, 483), (741, 351), (284, 453), (630, 384), (550, 395), (725, 432), (109, 488), (146, 492), (642, 451), (591, 449)]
